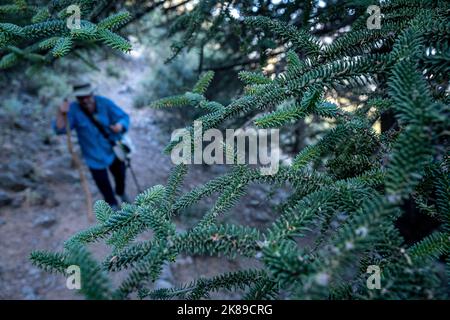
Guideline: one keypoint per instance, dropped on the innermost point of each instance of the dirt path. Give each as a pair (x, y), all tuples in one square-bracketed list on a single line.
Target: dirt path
[(46, 226)]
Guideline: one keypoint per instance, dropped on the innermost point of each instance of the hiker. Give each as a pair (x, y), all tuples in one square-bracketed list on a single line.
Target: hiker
[(99, 123)]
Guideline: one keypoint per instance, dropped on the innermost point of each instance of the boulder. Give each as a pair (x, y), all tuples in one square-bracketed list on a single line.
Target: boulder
[(45, 220)]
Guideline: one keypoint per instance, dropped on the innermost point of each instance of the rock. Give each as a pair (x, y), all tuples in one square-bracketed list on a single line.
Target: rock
[(34, 272), (261, 215), (183, 261), (62, 160), (59, 170), (61, 176), (45, 220), (34, 197), (49, 140), (19, 200), (7, 147), (21, 168), (126, 89), (46, 234), (21, 124), (51, 202), (40, 196), (9, 181), (5, 199), (28, 293)]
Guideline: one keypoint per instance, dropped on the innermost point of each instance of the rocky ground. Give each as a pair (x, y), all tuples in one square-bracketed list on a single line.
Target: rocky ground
[(42, 203)]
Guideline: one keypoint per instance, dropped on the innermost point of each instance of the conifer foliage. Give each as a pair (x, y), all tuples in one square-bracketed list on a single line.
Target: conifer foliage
[(347, 190), (46, 32)]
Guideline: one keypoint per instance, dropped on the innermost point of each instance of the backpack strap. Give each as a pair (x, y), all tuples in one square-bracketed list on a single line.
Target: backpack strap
[(98, 126)]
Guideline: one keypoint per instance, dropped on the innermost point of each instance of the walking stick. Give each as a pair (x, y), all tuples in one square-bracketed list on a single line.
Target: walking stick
[(77, 162)]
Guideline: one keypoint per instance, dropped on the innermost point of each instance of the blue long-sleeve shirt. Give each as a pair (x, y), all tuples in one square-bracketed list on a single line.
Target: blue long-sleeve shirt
[(95, 148)]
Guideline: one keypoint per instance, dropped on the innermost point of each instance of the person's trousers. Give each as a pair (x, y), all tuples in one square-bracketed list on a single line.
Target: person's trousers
[(100, 176)]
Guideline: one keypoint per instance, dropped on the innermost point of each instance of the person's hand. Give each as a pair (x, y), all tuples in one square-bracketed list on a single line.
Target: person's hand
[(64, 108), (116, 128)]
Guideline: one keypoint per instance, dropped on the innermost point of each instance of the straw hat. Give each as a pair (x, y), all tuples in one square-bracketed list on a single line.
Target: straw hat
[(83, 88)]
